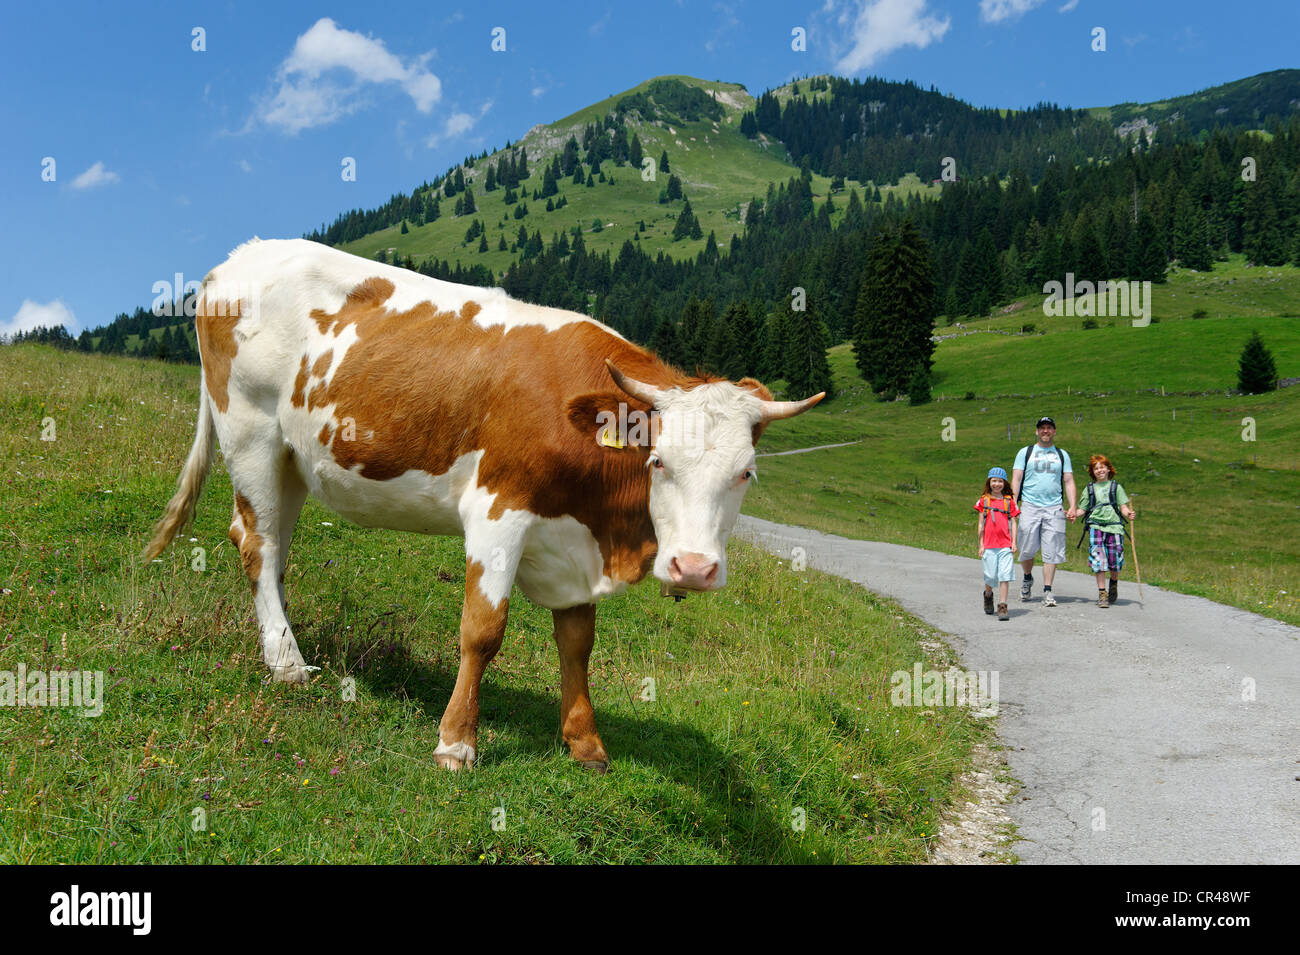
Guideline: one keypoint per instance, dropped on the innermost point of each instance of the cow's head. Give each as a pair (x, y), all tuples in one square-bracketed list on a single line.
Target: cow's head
[(701, 461)]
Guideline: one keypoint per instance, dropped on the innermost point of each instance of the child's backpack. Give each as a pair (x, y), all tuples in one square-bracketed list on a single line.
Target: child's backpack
[(987, 501), (1091, 491)]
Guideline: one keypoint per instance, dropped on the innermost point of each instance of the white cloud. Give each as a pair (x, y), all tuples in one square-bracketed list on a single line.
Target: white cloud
[(96, 175), (538, 91), (245, 165), (597, 28), (995, 11), (321, 79), (1068, 6), (882, 26), (455, 125), (34, 315)]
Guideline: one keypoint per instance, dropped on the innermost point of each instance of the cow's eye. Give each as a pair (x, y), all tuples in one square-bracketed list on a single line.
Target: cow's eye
[(656, 462), (748, 474)]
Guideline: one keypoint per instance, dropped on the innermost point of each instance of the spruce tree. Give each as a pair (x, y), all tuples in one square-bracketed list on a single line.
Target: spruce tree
[(663, 161), (807, 370), (722, 356), (1256, 371), (666, 343), (893, 320), (918, 387), (635, 153)]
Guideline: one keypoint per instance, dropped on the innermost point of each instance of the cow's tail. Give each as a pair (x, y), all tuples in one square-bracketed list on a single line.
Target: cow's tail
[(181, 507)]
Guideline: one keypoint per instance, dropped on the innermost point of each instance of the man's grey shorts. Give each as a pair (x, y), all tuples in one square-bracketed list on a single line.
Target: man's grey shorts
[(1042, 527)]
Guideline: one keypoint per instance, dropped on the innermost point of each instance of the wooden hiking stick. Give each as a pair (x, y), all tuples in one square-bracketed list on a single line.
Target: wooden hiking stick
[(1132, 534)]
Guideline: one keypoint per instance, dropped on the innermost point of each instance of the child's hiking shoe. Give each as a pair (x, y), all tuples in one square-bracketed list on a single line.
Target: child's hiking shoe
[(1002, 612), (1103, 599), (1026, 588), (988, 602), (1112, 594), (1048, 599)]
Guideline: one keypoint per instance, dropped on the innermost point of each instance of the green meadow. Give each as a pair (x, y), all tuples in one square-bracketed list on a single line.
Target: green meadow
[(1215, 511), (752, 725)]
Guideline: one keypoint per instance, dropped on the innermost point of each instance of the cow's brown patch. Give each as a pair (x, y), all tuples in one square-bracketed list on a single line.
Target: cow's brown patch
[(249, 541), (426, 386), (326, 435), (297, 399), (214, 328)]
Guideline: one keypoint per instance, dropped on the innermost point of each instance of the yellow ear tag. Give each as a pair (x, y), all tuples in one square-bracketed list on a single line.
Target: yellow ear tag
[(609, 440)]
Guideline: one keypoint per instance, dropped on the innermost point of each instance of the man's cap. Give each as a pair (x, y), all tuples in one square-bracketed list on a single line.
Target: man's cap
[(1045, 420), (998, 473)]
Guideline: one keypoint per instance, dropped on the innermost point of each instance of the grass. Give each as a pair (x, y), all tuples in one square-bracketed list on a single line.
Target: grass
[(1213, 508), (770, 696)]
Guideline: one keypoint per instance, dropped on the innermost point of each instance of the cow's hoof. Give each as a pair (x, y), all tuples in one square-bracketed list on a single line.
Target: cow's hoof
[(454, 756), (294, 673), (596, 765)]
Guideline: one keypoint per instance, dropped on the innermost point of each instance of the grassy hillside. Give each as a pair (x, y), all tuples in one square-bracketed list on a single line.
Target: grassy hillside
[(720, 169), (1214, 510), (762, 707), (1246, 102)]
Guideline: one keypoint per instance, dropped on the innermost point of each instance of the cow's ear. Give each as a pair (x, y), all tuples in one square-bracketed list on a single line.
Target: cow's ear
[(596, 416)]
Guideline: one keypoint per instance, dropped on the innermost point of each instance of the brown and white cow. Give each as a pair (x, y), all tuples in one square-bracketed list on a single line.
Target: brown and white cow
[(405, 402)]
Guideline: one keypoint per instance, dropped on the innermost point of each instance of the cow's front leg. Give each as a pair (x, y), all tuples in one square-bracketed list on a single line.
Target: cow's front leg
[(482, 627), (575, 633)]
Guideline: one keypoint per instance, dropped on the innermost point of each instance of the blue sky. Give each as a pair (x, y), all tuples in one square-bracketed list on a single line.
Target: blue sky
[(165, 157)]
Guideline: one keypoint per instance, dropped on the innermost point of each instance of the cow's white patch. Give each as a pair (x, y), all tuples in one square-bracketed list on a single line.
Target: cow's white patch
[(562, 565), (459, 751)]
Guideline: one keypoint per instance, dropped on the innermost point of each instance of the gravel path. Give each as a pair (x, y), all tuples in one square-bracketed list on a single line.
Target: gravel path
[(1131, 728)]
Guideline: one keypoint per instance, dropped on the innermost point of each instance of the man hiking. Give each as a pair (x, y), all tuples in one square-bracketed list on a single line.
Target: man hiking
[(1041, 481)]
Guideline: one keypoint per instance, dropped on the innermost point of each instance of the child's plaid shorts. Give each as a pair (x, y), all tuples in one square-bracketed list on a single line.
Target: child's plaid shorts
[(1105, 551)]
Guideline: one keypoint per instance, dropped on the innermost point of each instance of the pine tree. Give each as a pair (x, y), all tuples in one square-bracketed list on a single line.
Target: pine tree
[(1150, 259), (404, 229), (1256, 370), (722, 356), (468, 208), (893, 323), (686, 224), (635, 153), (807, 370), (918, 387), (1191, 248), (666, 343), (663, 161)]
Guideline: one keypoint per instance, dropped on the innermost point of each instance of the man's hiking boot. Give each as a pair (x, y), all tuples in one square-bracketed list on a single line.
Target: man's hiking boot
[(1048, 599), (1103, 599), (1026, 588), (1002, 612), (1112, 594), (988, 602)]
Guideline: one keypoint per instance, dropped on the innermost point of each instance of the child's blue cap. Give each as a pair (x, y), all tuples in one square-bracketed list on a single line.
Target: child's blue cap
[(998, 473)]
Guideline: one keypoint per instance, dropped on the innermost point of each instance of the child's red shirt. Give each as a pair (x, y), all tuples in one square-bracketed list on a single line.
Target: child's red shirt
[(997, 520)]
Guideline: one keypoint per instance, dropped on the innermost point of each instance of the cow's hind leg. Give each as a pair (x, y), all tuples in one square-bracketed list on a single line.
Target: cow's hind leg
[(575, 633), (257, 530)]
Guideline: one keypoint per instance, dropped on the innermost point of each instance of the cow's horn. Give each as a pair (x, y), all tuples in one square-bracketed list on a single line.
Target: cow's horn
[(775, 410), (637, 389)]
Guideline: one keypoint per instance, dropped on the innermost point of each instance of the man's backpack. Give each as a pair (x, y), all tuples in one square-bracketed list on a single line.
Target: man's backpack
[(1029, 450)]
